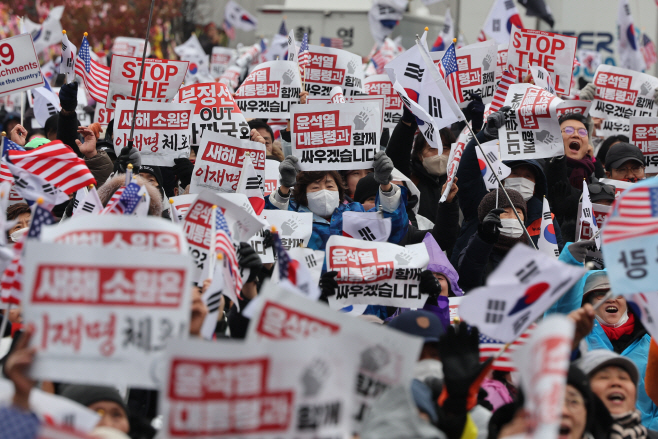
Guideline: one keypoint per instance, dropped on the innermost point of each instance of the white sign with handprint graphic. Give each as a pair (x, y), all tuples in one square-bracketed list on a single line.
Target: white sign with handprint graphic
[(298, 389), (622, 93), (270, 90), (378, 99), (295, 229), (335, 136), (387, 357), (476, 73), (376, 273), (382, 85), (531, 129), (330, 67)]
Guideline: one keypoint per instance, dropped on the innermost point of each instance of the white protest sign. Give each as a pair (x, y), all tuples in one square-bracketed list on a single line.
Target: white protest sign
[(380, 85), (501, 61), (600, 212), (330, 67), (298, 389), (160, 81), (122, 232), (380, 100), (376, 273), (219, 162), (531, 129), (270, 90), (271, 176), (336, 136), (312, 259), (220, 59), (103, 116), (542, 78), (182, 203), (387, 356), (620, 186), (19, 65), (542, 363), (162, 131), (554, 52), (614, 126), (491, 150), (623, 93), (644, 135), (295, 229), (129, 46), (215, 110), (94, 306), (573, 106), (476, 73), (231, 77)]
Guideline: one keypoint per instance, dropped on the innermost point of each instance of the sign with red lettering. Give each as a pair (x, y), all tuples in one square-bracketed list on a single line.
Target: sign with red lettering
[(644, 135), (271, 176), (476, 73), (600, 212), (573, 106), (281, 315), (220, 59), (215, 110), (270, 90), (378, 99), (103, 116), (19, 65), (375, 273), (620, 186), (330, 67), (531, 130), (129, 46), (92, 306), (182, 203), (297, 389), (162, 131), (381, 85), (623, 93), (501, 61), (336, 136), (231, 77), (554, 52), (295, 229), (160, 82)]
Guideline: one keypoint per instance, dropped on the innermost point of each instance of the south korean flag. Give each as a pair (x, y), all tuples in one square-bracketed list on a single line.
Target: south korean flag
[(420, 86)]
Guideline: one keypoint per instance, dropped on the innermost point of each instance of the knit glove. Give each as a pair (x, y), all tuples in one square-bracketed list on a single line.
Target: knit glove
[(183, 169), (267, 239), (475, 112), (407, 115), (489, 230), (429, 284), (288, 169), (383, 168), (68, 96), (248, 258), (128, 156), (580, 249), (328, 285), (495, 121), (588, 92)]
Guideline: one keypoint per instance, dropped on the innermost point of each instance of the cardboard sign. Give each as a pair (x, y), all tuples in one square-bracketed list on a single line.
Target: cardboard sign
[(614, 126), (19, 65), (531, 130), (215, 110), (295, 229), (271, 176), (600, 212), (381, 85), (376, 273), (387, 356), (160, 82), (270, 90), (330, 67), (220, 59), (295, 389), (476, 73), (380, 100), (551, 51), (644, 135), (573, 106), (128, 46), (162, 131), (103, 116), (219, 162), (623, 93), (501, 61), (336, 136), (94, 306)]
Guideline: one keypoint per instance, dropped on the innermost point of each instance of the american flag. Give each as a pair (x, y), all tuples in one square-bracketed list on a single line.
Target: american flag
[(380, 59), (224, 245), (56, 163), (449, 71), (127, 201), (229, 30), (336, 43), (95, 75), (304, 57), (635, 213), (113, 201), (501, 91), (648, 50), (490, 347), (12, 278), (287, 266), (7, 145)]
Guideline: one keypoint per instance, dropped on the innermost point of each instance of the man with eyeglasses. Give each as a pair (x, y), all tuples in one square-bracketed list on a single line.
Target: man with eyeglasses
[(624, 162)]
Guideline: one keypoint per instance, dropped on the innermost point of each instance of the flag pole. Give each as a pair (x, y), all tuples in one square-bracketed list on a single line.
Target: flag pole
[(141, 76), (66, 75), (5, 319), (213, 242)]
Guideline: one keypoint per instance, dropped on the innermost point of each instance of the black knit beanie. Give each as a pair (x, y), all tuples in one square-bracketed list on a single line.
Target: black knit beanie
[(366, 187), (489, 202), (87, 395)]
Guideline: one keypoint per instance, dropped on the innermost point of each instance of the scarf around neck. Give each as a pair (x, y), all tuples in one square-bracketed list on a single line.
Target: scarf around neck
[(615, 332), (582, 169), (628, 426)]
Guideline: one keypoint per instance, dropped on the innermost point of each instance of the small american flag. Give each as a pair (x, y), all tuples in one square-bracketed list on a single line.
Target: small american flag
[(490, 347), (336, 43), (287, 266), (450, 73), (7, 145), (113, 201), (56, 163), (224, 245), (635, 213), (127, 201), (648, 50), (229, 30), (501, 91), (95, 75), (304, 57)]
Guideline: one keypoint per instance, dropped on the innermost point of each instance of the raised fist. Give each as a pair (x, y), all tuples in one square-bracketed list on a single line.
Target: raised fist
[(486, 62), (314, 376), (545, 137), (361, 120), (351, 67), (374, 358), (288, 77)]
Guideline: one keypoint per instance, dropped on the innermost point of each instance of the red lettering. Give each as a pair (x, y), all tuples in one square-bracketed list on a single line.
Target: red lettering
[(128, 68)]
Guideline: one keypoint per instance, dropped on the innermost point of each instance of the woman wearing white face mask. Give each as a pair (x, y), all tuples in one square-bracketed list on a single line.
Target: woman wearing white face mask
[(322, 192), (21, 213)]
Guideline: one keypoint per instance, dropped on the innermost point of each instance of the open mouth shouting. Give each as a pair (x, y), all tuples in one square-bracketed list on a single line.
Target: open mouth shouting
[(565, 431)]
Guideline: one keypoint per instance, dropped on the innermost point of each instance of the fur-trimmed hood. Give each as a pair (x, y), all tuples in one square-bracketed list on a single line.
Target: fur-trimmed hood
[(106, 191)]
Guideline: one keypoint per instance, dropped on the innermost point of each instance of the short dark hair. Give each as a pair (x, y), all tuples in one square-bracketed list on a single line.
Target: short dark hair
[(256, 124), (447, 139), (51, 124), (574, 116), (305, 178), (607, 143), (16, 210)]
